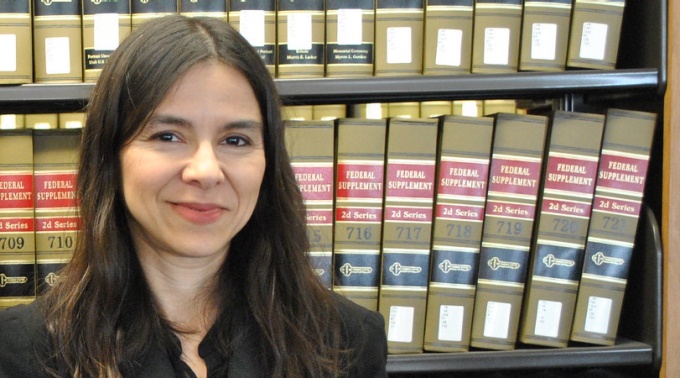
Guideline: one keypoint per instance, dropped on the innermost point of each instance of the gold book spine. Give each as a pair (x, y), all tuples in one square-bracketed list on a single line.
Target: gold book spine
[(595, 34), (329, 112), (496, 36), (622, 173), (311, 147), (256, 21), (464, 155), (409, 109), (300, 39), (350, 33), (143, 10), (435, 108), (399, 39), (448, 37), (105, 25), (407, 229), (514, 178), (562, 224), (359, 190), (40, 121), (205, 8), (57, 42), (545, 35), (16, 42)]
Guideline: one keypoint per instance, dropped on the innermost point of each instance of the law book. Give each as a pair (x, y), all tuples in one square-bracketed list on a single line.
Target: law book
[(595, 34), (447, 44), (469, 108), (496, 36), (42, 121), (17, 222), (562, 223), (373, 110), (350, 34), (311, 147), (545, 35), (327, 112), (300, 38), (57, 216), (105, 25), (16, 42), (462, 180), (407, 109), (72, 120), (514, 178), (256, 21), (298, 112), (435, 108), (359, 191), (492, 107), (205, 8), (621, 178), (12, 121), (57, 41), (407, 227), (143, 10), (399, 28)]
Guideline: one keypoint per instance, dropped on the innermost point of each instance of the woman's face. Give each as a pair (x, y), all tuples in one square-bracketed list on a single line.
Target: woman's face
[(192, 176)]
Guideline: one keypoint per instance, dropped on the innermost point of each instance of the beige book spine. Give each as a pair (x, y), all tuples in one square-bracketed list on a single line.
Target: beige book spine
[(407, 228), (256, 21), (374, 110), (410, 109), (510, 209), (496, 36), (57, 42), (350, 34), (359, 190), (545, 35), (298, 112), (399, 38), (447, 44), (205, 8), (57, 215), (562, 224), (12, 121), (619, 189), (595, 34), (462, 181), (17, 220), (311, 147), (105, 25), (143, 10), (16, 42), (300, 39), (329, 111), (435, 108), (42, 121), (468, 108)]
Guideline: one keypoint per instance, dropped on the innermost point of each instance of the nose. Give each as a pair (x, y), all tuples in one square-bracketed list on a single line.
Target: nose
[(203, 167)]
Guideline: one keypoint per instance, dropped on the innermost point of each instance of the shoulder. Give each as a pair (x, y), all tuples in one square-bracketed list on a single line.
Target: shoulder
[(365, 337), (21, 329)]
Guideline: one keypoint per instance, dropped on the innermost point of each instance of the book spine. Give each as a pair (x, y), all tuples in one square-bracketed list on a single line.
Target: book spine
[(399, 28), (105, 25), (515, 173), (300, 38), (465, 151), (407, 229), (496, 36), (57, 41), (545, 35), (619, 189), (57, 216), (595, 34), (311, 146), (447, 48), (143, 10), (360, 175), (559, 243), (329, 111), (256, 21), (205, 8), (16, 42), (350, 32), (17, 223)]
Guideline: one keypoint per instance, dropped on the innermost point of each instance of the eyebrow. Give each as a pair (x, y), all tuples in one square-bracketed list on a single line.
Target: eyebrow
[(166, 119)]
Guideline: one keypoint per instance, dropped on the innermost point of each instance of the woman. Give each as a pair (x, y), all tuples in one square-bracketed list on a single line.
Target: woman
[(191, 261)]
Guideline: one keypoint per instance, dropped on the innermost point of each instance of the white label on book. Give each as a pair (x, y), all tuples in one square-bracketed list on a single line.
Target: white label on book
[(399, 45), (106, 31), (450, 323), (350, 27), (497, 320), (449, 47), (299, 31), (470, 108), (496, 45), (543, 41), (548, 318), (251, 26), (8, 46), (400, 328), (374, 110), (8, 121), (593, 41), (57, 55), (597, 315)]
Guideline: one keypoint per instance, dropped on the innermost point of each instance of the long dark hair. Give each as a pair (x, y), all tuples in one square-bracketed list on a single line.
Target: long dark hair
[(101, 314)]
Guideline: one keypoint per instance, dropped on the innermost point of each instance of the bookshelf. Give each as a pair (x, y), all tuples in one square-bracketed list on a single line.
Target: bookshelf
[(638, 83)]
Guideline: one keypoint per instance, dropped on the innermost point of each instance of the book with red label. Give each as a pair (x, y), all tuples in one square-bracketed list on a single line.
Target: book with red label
[(359, 190), (464, 154), (510, 209), (407, 227), (311, 147), (17, 224), (57, 216), (562, 224), (256, 21), (619, 189), (105, 25)]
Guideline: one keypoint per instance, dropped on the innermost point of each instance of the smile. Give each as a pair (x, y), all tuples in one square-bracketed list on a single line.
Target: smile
[(198, 213)]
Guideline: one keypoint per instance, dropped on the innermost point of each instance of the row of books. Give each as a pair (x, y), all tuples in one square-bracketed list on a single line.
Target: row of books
[(477, 232), (69, 41)]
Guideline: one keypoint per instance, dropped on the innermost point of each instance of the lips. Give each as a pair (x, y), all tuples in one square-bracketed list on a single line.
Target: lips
[(198, 213)]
